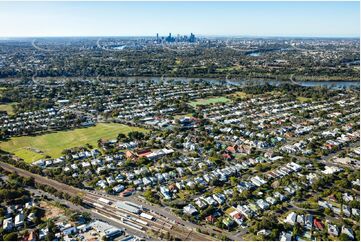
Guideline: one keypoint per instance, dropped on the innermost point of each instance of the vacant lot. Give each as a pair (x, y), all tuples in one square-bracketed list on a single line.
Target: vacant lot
[(32, 148), (51, 211), (208, 101)]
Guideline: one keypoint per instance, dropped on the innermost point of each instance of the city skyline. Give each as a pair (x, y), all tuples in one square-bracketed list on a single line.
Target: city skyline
[(278, 19)]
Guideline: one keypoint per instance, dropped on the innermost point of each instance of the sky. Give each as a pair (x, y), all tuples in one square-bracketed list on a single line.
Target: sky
[(304, 19)]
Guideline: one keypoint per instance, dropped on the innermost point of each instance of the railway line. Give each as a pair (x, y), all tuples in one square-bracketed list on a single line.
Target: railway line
[(161, 224), (44, 180)]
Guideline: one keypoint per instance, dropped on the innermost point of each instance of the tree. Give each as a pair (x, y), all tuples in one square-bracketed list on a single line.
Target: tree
[(245, 195), (136, 135), (11, 237), (233, 181), (76, 200), (121, 137), (143, 161), (151, 196), (328, 211), (344, 237), (296, 230), (50, 236), (274, 234), (354, 204)]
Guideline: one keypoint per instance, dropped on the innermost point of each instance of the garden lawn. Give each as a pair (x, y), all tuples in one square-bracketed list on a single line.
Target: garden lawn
[(207, 101), (32, 148)]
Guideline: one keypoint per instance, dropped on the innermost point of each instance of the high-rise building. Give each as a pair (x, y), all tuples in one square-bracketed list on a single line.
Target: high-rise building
[(170, 38), (192, 38), (179, 38)]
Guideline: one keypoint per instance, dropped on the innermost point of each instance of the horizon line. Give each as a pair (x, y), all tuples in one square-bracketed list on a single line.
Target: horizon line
[(199, 35)]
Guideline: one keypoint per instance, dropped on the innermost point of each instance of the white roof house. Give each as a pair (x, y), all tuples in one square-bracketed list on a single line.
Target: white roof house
[(8, 224), (333, 230), (190, 209), (348, 232), (291, 218), (285, 236), (19, 219)]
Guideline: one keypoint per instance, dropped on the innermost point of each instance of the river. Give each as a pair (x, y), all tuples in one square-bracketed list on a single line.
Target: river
[(243, 82)]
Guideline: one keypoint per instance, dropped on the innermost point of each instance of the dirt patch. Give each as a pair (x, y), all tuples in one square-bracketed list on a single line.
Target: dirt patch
[(51, 211)]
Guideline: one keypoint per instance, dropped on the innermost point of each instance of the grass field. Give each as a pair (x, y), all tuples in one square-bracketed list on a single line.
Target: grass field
[(207, 101), (304, 99), (32, 148), (7, 108)]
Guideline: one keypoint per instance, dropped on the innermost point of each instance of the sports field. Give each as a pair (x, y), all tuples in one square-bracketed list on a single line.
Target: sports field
[(207, 101), (7, 108), (32, 148)]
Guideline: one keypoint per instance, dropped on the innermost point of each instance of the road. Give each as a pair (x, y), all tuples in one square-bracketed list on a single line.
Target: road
[(75, 207), (171, 217), (293, 81), (94, 215), (111, 214)]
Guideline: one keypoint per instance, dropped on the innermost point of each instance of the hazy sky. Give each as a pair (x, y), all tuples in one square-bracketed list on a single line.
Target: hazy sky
[(202, 18)]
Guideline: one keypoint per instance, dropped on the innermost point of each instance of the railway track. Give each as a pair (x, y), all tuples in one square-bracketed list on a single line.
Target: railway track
[(44, 180), (160, 225), (159, 220)]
